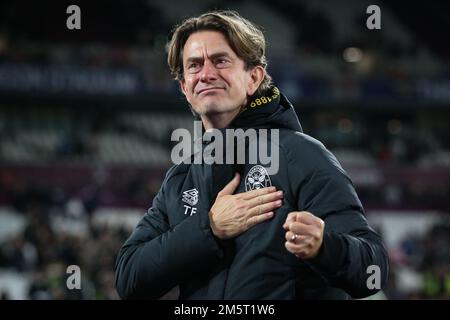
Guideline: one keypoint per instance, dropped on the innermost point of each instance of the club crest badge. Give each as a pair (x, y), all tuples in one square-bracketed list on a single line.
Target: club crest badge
[(257, 178)]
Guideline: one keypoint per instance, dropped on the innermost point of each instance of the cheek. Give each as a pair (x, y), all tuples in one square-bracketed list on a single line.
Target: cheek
[(189, 88), (244, 82), (239, 84)]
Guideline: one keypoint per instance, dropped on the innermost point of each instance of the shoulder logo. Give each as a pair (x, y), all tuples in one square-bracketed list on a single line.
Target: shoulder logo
[(257, 178), (190, 197)]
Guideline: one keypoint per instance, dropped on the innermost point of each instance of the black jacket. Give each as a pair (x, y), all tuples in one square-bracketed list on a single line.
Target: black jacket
[(170, 247)]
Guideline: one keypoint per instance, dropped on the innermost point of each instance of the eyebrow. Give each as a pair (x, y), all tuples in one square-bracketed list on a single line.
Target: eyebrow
[(212, 57)]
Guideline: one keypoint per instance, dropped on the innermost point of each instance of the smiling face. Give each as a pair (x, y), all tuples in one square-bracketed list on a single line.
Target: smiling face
[(215, 80)]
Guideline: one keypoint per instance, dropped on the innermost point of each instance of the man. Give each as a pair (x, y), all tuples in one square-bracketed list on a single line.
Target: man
[(297, 234)]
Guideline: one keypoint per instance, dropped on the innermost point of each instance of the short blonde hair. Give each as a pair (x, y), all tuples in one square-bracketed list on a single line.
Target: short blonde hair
[(245, 38)]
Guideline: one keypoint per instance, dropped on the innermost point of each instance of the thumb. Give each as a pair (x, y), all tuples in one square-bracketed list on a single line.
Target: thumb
[(230, 187)]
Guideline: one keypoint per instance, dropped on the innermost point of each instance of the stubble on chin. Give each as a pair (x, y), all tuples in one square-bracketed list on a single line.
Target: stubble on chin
[(212, 109)]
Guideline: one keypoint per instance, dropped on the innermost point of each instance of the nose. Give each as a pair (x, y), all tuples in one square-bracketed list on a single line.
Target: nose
[(208, 72)]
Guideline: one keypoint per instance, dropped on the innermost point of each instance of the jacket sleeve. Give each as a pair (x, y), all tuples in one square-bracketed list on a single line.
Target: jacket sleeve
[(157, 257), (349, 245)]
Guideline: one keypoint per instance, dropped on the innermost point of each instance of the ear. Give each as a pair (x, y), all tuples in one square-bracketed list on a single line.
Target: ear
[(183, 86), (256, 77)]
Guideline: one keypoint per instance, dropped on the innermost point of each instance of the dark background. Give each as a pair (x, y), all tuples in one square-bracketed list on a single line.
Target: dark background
[(86, 117)]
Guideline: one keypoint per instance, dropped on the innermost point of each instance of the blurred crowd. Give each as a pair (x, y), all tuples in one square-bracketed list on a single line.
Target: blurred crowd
[(43, 254), (420, 266)]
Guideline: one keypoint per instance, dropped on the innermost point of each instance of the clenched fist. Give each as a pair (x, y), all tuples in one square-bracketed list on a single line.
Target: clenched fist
[(233, 214), (304, 234)]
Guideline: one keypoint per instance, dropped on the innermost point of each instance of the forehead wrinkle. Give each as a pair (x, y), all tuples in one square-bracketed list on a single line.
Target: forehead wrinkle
[(199, 45), (212, 56)]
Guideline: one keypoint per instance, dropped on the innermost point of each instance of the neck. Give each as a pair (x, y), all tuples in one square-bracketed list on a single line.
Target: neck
[(219, 120)]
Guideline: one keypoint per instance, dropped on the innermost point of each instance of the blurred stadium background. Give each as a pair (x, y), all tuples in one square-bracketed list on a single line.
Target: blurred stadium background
[(86, 118)]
